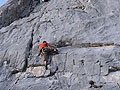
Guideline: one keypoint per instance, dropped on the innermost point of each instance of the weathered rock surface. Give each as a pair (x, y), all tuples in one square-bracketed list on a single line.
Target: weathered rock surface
[(87, 34), (15, 9)]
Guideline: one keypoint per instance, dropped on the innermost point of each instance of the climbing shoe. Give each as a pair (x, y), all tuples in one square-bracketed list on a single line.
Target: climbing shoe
[(46, 67)]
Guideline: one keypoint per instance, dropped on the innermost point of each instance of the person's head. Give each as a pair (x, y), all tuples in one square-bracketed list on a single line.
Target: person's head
[(44, 42)]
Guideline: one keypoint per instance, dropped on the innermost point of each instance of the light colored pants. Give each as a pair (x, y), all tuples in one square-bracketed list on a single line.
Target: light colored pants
[(45, 52)]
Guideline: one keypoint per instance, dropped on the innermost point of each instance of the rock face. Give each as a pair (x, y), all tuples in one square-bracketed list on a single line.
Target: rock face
[(14, 10), (86, 33)]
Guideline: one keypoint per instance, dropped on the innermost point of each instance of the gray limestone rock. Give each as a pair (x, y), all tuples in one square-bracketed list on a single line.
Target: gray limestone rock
[(85, 31), (14, 10)]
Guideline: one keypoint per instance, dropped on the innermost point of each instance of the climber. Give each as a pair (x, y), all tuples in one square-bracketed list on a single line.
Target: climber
[(46, 50)]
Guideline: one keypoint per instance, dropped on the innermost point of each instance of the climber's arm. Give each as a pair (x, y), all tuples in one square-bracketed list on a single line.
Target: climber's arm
[(50, 45)]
